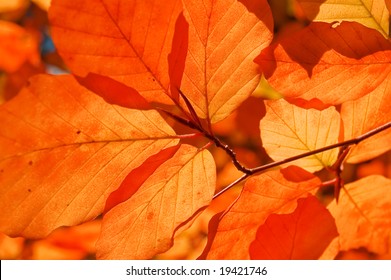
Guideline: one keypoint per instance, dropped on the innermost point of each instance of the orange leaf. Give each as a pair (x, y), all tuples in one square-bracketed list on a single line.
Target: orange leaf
[(224, 38), (17, 47), (301, 235), (63, 150), (128, 41), (363, 215), (272, 192), (363, 115), (77, 242), (288, 130), (332, 64), (114, 92), (137, 177), (144, 225)]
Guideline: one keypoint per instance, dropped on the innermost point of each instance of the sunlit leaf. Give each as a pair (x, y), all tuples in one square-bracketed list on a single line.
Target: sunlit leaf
[(63, 150), (273, 192), (301, 235), (363, 115), (288, 130), (144, 225), (128, 40), (332, 64), (371, 13), (363, 215), (224, 38)]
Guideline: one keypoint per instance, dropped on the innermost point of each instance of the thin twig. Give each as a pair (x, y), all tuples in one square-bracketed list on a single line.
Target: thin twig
[(250, 171), (237, 181), (230, 152), (330, 147)]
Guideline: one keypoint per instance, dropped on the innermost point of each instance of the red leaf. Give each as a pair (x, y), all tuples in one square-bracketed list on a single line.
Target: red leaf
[(272, 192), (137, 177), (332, 64), (177, 56), (301, 235), (128, 41), (114, 92)]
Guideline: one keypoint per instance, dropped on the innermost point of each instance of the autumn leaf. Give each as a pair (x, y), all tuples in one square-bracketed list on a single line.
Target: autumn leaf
[(363, 115), (332, 64), (114, 92), (224, 38), (63, 150), (363, 215), (373, 14), (17, 47), (128, 41), (209, 56), (138, 176), (301, 235), (288, 130), (273, 192), (144, 225)]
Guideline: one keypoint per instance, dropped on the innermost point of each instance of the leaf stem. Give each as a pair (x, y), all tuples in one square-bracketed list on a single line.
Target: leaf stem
[(230, 152), (250, 171)]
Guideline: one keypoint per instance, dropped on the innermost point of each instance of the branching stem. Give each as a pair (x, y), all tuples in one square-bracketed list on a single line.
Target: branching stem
[(249, 171), (194, 122)]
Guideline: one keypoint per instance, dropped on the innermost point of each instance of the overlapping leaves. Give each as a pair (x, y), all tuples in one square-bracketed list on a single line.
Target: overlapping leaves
[(67, 155)]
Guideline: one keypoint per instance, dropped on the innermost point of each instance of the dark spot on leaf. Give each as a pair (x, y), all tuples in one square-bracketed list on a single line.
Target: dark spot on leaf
[(2, 171), (30, 162), (78, 132), (29, 190), (150, 216)]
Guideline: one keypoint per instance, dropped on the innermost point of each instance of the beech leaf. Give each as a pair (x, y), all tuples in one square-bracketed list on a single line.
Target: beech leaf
[(137, 177), (288, 130), (145, 224), (359, 222), (224, 38), (273, 192), (363, 115), (128, 41), (63, 150), (332, 64), (301, 235), (114, 92), (371, 13)]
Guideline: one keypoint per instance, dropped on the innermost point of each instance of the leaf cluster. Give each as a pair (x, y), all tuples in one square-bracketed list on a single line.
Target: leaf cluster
[(132, 135)]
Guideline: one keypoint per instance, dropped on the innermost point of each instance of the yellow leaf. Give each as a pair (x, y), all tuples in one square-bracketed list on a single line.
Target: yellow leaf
[(371, 13), (288, 130)]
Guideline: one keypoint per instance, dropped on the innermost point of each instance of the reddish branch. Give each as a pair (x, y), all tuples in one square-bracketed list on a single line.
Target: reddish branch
[(345, 144), (194, 122)]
